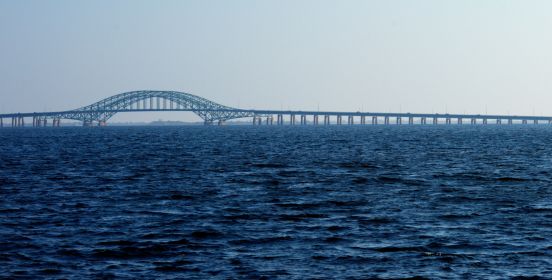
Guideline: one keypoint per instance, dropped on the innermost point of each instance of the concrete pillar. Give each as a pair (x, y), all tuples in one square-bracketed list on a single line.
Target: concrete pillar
[(448, 121), (510, 121), (399, 120), (374, 120), (339, 119), (524, 121), (473, 121), (410, 120), (459, 120), (536, 122), (1, 122), (435, 120), (423, 120), (498, 121), (485, 121), (315, 119), (350, 120), (292, 119), (362, 119), (386, 120), (326, 120)]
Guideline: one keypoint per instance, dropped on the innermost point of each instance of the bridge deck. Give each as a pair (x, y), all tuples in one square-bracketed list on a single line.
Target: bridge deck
[(297, 113)]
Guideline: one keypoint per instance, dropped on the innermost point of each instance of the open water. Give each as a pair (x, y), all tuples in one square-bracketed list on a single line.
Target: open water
[(465, 202)]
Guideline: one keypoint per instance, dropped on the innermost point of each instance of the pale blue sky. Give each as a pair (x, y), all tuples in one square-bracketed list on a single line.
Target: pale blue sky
[(409, 56)]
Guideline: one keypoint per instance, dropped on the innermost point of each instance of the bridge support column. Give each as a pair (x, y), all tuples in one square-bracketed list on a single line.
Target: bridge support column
[(350, 120), (524, 122), (326, 120), (386, 120), (315, 119), (339, 119), (303, 120), (498, 121), (374, 120), (484, 121), (435, 120), (510, 121), (280, 119), (363, 120), (448, 121), (220, 122), (459, 120), (1, 122), (410, 120), (269, 120), (473, 121), (398, 120)]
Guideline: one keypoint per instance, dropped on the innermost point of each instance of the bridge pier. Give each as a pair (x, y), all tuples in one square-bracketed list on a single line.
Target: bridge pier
[(326, 120), (398, 120), (350, 120), (536, 122), (315, 119), (410, 120), (524, 122), (510, 121), (374, 120), (423, 120), (435, 120), (498, 121), (459, 120), (363, 120), (339, 119), (484, 121), (448, 121), (292, 119), (386, 120), (1, 122), (473, 121)]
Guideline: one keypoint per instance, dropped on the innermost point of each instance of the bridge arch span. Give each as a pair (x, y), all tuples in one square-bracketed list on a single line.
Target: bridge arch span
[(154, 100)]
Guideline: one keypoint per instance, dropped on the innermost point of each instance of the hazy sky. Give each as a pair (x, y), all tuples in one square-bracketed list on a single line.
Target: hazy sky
[(409, 56)]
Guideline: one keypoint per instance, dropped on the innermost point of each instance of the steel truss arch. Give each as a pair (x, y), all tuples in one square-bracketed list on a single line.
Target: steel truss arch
[(103, 110)]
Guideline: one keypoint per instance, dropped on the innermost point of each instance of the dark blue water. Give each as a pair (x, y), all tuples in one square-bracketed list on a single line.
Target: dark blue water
[(276, 202)]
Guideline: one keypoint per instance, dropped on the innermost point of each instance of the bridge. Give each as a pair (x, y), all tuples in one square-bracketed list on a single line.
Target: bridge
[(97, 114)]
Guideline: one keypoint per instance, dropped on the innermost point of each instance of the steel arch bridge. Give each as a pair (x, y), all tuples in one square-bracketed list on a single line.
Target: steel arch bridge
[(155, 100), (142, 101)]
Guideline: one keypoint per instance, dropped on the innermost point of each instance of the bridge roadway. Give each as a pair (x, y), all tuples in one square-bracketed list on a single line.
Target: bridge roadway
[(211, 112), (293, 117)]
